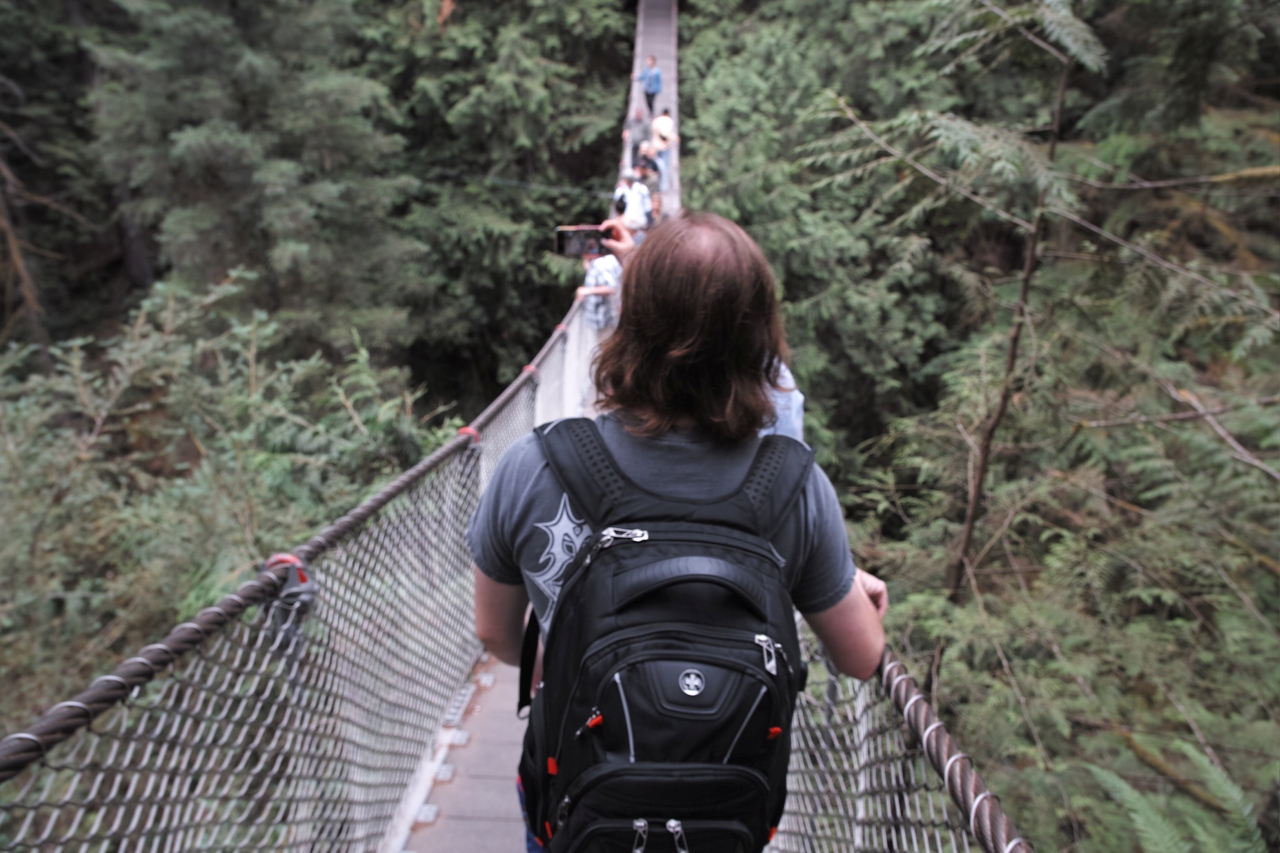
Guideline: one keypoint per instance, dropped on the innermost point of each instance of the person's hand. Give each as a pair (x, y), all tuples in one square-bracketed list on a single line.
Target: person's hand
[(623, 243), (876, 591)]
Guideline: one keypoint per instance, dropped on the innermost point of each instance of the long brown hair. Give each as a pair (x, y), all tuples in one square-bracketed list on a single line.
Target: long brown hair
[(699, 335)]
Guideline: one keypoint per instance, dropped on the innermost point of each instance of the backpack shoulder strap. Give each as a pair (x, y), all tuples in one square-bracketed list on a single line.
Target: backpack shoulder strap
[(583, 466), (776, 479)]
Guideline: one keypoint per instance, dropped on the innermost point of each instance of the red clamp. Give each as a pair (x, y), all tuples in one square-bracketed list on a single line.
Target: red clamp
[(560, 327), (290, 560), (471, 431), (529, 368)]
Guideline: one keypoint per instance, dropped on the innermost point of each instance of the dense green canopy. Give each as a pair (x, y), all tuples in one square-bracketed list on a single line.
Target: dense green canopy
[(258, 254)]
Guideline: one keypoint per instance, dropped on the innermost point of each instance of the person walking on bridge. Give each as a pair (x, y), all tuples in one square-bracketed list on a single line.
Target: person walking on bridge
[(664, 547), (664, 136), (637, 131), (650, 78)]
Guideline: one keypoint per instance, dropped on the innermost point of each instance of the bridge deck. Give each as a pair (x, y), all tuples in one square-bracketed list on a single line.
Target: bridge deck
[(477, 810), (656, 36)]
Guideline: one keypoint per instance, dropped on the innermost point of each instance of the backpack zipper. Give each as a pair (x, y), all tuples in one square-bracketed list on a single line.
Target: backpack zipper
[(641, 827), (770, 658), (697, 657), (626, 713), (709, 537), (676, 828), (593, 775), (730, 635), (612, 534), (743, 727)]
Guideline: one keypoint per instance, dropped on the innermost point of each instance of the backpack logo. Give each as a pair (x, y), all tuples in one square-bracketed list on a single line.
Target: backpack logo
[(692, 682)]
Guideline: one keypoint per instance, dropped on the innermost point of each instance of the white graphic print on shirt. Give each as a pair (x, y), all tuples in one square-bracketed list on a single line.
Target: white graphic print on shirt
[(565, 535)]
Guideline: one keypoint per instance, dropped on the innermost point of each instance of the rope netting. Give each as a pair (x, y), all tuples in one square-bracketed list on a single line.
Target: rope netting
[(293, 714)]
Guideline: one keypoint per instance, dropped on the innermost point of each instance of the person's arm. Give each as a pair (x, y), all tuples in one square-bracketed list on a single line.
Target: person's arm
[(500, 609), (851, 631)]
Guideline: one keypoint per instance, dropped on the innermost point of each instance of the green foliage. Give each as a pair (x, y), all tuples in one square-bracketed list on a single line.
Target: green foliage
[(246, 139), (83, 263), (150, 473), (1126, 566), (1157, 834), (395, 168), (510, 112)]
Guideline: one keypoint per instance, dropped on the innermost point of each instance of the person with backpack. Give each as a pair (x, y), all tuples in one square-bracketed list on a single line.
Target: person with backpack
[(665, 547)]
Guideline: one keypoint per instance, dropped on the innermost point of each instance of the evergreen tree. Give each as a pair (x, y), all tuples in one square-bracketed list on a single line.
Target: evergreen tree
[(245, 137), (1086, 288)]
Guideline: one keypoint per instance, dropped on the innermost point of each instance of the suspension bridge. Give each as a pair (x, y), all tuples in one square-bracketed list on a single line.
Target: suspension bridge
[(339, 701)]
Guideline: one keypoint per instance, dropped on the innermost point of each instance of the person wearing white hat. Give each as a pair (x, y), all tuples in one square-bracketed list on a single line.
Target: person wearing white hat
[(631, 197)]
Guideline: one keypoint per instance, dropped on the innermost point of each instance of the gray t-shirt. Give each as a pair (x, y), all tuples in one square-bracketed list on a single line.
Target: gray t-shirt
[(525, 531)]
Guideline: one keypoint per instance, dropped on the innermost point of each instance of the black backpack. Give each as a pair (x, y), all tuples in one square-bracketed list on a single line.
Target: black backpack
[(672, 662)]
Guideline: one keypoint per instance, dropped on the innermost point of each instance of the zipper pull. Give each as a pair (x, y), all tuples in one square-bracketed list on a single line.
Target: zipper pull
[(641, 827), (770, 657), (785, 659), (563, 813), (676, 828), (611, 534), (594, 719)]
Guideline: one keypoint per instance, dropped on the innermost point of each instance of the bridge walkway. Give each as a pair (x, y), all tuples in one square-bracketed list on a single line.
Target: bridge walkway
[(476, 809)]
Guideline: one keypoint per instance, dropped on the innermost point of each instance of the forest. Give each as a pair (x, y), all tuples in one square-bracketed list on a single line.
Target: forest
[(258, 257)]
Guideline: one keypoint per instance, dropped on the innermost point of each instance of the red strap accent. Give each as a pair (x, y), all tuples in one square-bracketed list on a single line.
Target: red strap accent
[(552, 767), (595, 721), (471, 431), (773, 832), (277, 560), (282, 560), (547, 824), (774, 731)]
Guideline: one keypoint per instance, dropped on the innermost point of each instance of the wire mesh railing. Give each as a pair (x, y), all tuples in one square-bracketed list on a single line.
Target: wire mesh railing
[(292, 715)]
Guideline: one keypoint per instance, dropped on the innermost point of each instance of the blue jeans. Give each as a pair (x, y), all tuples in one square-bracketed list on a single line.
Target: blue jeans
[(531, 842)]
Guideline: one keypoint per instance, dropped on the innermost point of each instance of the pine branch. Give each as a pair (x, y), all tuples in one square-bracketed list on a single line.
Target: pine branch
[(1163, 262), (961, 563), (1256, 173), (1157, 763), (1027, 34), (925, 170), (1176, 416), (1240, 451)]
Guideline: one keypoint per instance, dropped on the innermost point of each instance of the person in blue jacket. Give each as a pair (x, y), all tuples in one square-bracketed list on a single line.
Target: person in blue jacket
[(651, 81)]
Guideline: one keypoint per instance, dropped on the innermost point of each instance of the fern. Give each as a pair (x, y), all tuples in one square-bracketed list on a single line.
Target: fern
[(1155, 831), (1073, 34), (1240, 818)]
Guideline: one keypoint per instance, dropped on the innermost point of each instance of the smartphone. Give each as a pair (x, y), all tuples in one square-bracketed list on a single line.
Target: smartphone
[(580, 241)]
